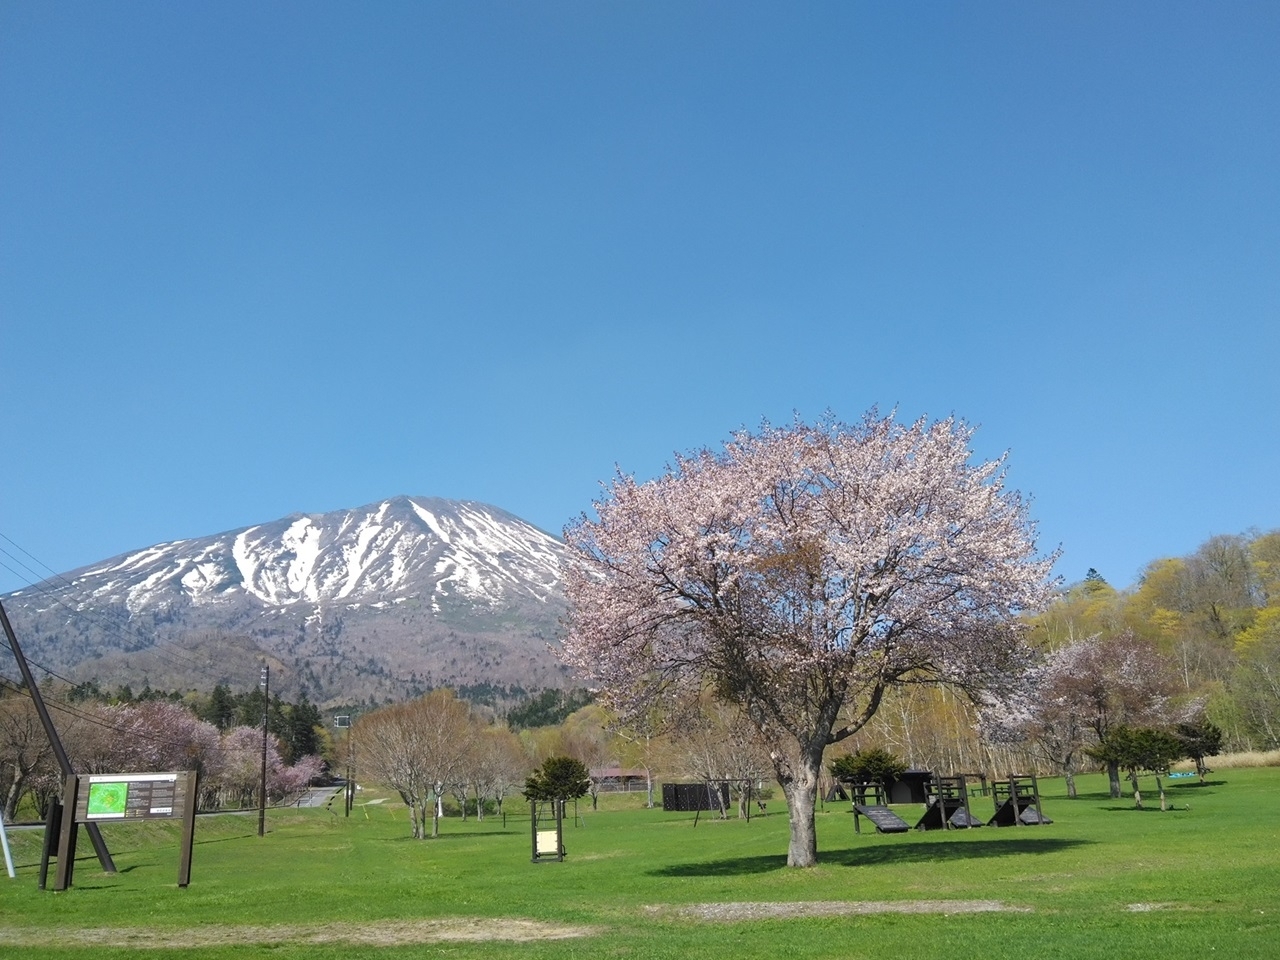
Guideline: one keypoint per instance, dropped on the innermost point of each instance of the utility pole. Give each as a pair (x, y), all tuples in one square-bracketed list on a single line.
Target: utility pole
[(343, 722), (64, 765), (262, 786)]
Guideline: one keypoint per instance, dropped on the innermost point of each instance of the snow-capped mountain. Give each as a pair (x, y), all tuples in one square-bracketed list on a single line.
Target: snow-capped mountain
[(373, 603)]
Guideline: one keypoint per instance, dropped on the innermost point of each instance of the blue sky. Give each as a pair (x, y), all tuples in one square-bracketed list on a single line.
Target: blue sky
[(258, 259)]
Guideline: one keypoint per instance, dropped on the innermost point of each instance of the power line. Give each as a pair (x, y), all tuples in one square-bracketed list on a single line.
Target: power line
[(120, 628), (65, 707)]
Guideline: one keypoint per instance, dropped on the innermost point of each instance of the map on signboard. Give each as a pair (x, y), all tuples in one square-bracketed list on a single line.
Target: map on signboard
[(108, 799)]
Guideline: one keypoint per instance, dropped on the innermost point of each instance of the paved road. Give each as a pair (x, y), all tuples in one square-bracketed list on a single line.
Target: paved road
[(317, 796)]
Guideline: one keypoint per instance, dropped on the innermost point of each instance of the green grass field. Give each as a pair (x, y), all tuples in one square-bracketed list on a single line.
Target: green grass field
[(1104, 880)]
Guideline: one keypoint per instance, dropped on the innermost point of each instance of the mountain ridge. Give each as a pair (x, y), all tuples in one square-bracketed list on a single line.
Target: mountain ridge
[(373, 603)]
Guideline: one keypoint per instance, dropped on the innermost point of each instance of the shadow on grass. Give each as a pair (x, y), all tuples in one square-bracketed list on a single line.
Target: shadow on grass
[(239, 836), (889, 852), (444, 837)]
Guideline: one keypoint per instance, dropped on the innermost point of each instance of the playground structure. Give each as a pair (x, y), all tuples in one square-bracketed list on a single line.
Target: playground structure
[(877, 811), (947, 805), (1017, 802)]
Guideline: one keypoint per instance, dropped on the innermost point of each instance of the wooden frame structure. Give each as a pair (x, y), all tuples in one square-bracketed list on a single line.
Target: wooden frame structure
[(1017, 802), (947, 805), (546, 823)]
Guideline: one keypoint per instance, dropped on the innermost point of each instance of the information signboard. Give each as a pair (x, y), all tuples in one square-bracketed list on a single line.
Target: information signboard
[(104, 797), (144, 796)]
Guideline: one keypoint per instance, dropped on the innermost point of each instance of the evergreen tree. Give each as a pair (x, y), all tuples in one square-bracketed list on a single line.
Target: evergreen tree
[(559, 778), (221, 708)]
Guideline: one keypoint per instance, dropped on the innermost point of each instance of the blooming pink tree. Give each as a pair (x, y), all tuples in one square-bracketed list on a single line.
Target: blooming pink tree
[(800, 573), (1084, 690)]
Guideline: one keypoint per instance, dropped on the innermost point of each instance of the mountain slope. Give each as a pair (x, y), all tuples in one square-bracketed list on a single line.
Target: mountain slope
[(379, 603)]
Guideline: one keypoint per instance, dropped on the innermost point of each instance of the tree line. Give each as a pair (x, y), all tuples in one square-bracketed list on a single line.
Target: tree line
[(219, 735), (1123, 681)]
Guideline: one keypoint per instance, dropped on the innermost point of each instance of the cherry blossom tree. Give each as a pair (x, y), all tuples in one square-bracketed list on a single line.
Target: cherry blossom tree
[(800, 573), (25, 753), (1072, 701)]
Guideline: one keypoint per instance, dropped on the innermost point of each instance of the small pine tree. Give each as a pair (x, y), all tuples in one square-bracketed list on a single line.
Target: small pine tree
[(1140, 748), (1199, 740), (559, 778), (1094, 581)]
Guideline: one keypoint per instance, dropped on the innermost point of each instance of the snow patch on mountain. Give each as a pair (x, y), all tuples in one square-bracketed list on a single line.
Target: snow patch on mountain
[(438, 550)]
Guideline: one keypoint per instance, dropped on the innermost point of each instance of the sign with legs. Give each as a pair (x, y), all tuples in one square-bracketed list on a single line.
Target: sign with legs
[(95, 798)]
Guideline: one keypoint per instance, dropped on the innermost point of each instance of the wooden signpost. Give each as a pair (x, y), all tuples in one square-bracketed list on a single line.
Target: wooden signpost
[(105, 797)]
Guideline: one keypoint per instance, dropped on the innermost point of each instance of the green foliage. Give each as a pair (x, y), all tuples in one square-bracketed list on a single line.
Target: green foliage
[(548, 708), (559, 778), (1199, 740), (1139, 748), (220, 710), (302, 726), (872, 765)]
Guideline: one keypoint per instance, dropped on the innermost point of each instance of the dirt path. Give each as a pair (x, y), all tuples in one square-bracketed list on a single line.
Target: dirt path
[(737, 912), (392, 933), (387, 933)]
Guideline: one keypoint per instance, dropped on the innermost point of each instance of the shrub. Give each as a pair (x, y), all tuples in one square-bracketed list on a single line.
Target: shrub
[(873, 765)]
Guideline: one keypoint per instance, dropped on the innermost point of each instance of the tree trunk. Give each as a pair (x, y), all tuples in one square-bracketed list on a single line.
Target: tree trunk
[(418, 814), (11, 800), (1113, 775), (1137, 794), (1071, 786), (799, 781)]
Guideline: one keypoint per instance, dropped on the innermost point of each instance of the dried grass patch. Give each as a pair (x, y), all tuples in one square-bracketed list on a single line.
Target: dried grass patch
[(736, 912), (385, 933)]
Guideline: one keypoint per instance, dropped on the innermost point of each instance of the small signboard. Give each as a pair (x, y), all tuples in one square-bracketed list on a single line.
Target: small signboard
[(104, 797), (547, 820)]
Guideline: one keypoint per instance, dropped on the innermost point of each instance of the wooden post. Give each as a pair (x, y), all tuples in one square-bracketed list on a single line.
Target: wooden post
[(67, 835), (191, 786), (52, 827), (262, 785)]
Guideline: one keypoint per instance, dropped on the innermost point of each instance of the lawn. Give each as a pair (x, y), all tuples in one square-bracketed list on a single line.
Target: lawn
[(1104, 880)]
